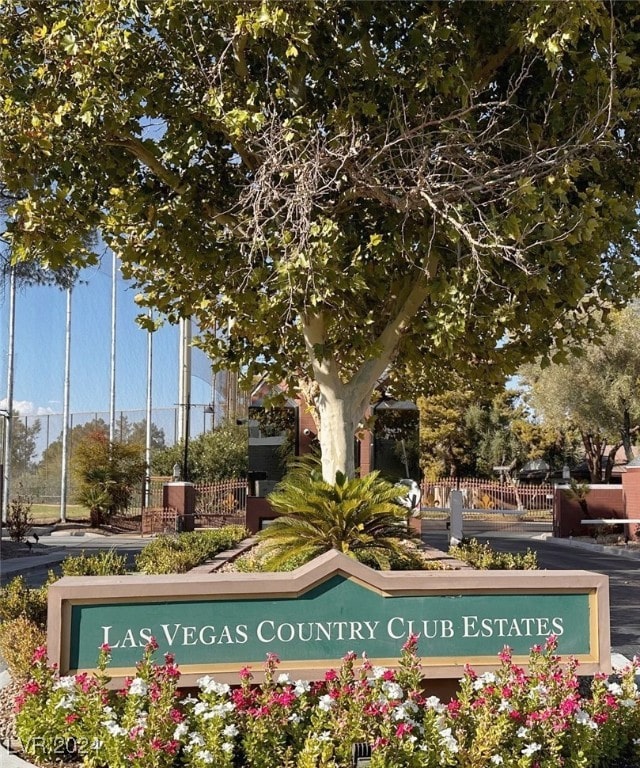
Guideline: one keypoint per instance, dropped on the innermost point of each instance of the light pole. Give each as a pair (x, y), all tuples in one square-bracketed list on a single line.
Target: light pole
[(7, 443)]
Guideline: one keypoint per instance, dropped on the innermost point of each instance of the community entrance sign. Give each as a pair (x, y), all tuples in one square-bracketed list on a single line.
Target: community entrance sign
[(218, 623)]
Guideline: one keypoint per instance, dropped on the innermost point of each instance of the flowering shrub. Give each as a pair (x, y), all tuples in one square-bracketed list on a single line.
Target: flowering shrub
[(510, 717)]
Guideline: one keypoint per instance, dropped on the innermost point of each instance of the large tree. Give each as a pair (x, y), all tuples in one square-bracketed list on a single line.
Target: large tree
[(343, 190), (597, 392)]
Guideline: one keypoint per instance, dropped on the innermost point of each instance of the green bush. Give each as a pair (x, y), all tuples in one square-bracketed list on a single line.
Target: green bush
[(180, 552), (482, 557), (106, 563), (19, 639), (17, 600)]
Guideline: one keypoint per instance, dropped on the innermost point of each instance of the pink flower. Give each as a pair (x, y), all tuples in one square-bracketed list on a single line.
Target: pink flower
[(71, 718), (380, 742), (388, 674), (39, 654), (152, 645), (330, 675), (505, 655), (31, 688), (245, 674), (403, 729), (105, 648), (157, 744), (176, 716), (169, 658)]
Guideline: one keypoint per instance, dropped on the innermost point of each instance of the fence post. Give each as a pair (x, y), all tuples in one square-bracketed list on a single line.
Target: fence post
[(455, 517)]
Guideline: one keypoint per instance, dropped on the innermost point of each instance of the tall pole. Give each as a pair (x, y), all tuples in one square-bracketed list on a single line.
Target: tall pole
[(112, 385), (8, 430), (65, 413), (147, 455), (184, 391)]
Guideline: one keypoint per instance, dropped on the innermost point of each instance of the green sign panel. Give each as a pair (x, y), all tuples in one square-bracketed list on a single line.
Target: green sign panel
[(337, 616)]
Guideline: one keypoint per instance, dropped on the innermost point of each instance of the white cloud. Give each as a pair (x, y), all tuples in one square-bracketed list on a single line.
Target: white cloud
[(26, 408)]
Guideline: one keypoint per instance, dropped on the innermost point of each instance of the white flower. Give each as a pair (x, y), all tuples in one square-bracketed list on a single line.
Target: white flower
[(138, 687), (66, 683), (205, 756), (505, 706), (324, 736), (378, 672), (283, 679), (615, 689), (433, 702), (636, 742), (300, 687), (181, 730), (200, 708), (209, 685), (392, 690), (628, 702), (227, 746), (294, 718), (497, 759), (522, 732), (483, 680), (66, 702), (325, 703), (230, 730), (190, 699), (531, 748), (449, 740), (196, 740), (113, 728)]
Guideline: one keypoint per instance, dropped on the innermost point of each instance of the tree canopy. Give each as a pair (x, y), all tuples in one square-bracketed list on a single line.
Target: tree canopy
[(598, 392), (343, 191)]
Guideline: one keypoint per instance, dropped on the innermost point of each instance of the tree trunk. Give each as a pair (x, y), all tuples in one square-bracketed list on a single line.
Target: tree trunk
[(338, 419)]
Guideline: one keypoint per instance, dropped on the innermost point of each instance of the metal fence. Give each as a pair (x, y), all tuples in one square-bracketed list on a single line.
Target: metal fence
[(36, 460)]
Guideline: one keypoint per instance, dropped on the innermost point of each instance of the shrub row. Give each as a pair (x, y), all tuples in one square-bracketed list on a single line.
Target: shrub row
[(177, 554), (482, 557)]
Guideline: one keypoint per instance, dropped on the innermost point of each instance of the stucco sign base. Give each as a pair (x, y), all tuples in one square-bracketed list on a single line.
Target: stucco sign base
[(217, 624)]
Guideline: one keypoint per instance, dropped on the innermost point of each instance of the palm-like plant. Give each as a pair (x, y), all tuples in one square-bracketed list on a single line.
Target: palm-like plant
[(359, 517)]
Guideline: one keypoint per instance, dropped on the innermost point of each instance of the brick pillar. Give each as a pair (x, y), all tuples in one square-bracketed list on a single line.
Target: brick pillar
[(182, 497), (631, 496)]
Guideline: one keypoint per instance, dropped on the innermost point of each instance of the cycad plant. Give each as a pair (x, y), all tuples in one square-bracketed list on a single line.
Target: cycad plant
[(357, 516)]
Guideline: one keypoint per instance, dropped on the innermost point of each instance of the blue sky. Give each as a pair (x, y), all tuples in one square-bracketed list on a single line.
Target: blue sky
[(40, 347)]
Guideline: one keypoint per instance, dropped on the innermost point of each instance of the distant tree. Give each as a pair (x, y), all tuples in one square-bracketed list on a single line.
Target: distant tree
[(23, 444), (597, 392), (137, 433), (106, 474), (221, 454), (464, 434), (446, 441)]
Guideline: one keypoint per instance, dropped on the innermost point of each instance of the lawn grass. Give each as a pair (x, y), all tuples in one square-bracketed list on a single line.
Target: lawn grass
[(50, 513)]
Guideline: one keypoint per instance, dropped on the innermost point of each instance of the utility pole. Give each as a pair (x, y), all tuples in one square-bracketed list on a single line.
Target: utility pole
[(112, 384), (184, 391), (65, 413), (147, 479), (8, 429)]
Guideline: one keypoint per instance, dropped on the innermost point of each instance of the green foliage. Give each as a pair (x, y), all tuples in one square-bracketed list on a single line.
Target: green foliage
[(596, 392), (19, 638), (482, 557), (221, 454), (18, 600), (359, 517), (181, 552), (453, 182), (104, 563), (106, 474)]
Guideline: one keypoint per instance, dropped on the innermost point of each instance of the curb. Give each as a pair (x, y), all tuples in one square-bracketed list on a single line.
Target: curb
[(589, 547), (19, 564)]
